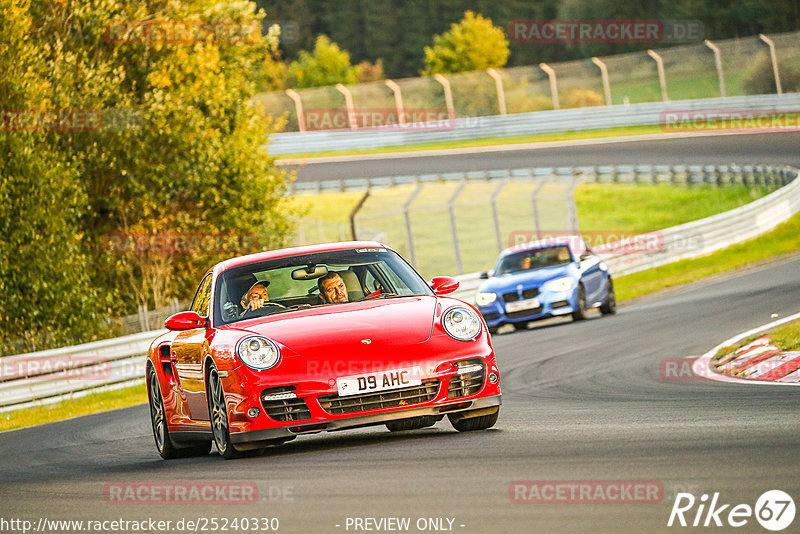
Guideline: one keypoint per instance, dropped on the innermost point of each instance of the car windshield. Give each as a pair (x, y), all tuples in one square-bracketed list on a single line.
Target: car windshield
[(534, 259), (275, 286)]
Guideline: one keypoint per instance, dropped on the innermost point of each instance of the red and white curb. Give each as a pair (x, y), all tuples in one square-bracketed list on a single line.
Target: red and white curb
[(758, 362)]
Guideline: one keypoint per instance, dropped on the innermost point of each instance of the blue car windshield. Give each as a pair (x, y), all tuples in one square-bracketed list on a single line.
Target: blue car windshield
[(533, 259)]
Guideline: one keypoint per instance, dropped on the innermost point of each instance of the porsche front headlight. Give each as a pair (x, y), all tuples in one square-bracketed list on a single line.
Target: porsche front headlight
[(484, 299), (258, 352), (461, 323), (559, 284)]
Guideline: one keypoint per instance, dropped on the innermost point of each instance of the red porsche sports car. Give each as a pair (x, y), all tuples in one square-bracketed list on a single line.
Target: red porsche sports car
[(317, 338)]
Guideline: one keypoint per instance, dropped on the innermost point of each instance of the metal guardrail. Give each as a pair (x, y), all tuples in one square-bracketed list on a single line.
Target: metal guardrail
[(519, 124), (654, 174), (56, 374), (51, 375)]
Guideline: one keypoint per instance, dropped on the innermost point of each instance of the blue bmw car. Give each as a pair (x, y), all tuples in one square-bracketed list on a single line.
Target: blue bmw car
[(547, 278)]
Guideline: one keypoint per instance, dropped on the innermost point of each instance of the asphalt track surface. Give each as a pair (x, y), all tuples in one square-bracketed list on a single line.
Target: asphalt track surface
[(766, 148), (581, 401)]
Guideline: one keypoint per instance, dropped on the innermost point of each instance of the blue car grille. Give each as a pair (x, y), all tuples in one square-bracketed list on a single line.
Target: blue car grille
[(529, 293)]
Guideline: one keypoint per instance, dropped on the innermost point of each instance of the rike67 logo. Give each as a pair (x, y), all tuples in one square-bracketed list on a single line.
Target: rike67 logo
[(774, 510)]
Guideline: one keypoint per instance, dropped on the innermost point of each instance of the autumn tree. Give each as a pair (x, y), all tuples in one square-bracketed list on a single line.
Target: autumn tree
[(472, 44)]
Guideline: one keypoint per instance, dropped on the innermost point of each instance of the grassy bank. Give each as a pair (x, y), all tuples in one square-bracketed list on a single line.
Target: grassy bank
[(95, 402)]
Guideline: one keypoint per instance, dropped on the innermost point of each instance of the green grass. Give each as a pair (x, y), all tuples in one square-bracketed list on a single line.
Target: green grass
[(784, 239), (95, 402)]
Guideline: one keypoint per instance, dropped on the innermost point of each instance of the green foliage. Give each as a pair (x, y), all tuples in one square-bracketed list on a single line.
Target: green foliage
[(472, 44), (183, 156), (326, 65), (44, 284)]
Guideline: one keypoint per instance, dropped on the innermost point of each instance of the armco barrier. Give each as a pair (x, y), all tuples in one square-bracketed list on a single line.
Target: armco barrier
[(521, 124), (41, 377)]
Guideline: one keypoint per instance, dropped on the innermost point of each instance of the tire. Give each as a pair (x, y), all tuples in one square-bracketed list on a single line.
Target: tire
[(580, 304), (167, 448), (470, 424), (609, 306), (520, 326), (218, 414), (493, 329), (412, 423)]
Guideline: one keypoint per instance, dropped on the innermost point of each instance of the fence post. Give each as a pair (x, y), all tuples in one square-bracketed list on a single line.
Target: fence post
[(662, 78), (718, 63), (348, 102), (496, 215), (453, 227), (448, 95), (551, 74), (501, 95), (298, 107), (144, 322), (572, 208), (774, 58), (604, 76), (398, 101), (407, 215), (536, 205), (354, 212)]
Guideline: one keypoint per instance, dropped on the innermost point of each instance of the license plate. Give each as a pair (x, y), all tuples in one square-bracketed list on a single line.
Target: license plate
[(380, 381), (522, 305)]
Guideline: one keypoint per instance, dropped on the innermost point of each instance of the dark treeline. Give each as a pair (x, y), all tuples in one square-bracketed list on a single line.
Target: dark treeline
[(398, 30)]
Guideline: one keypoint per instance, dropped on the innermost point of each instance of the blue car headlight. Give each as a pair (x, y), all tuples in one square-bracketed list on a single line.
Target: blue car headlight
[(484, 299), (461, 323), (258, 352), (560, 284)]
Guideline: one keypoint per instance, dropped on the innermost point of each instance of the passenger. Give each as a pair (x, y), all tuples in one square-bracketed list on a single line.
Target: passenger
[(332, 288), (525, 263)]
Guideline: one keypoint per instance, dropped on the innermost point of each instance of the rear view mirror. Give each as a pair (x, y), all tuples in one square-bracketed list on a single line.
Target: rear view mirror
[(311, 272), (484, 275)]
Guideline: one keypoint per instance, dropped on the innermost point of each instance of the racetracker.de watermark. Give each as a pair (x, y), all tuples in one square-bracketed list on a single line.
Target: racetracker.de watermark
[(70, 120), (173, 32), (380, 119), (611, 241), (586, 492), (178, 243), (683, 120), (605, 31), (193, 492)]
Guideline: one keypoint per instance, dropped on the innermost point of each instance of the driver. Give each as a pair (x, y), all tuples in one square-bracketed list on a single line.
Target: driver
[(255, 297), (332, 288)]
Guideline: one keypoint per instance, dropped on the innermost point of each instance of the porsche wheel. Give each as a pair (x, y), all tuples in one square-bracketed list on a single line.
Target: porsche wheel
[(412, 423), (580, 305), (469, 424), (164, 444), (218, 412), (609, 306)]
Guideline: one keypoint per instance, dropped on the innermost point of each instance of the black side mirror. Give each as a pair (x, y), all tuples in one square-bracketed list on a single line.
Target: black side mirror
[(484, 275)]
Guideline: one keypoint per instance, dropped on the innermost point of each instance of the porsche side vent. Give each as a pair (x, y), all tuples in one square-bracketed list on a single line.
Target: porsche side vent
[(281, 404), (383, 399), (468, 380)]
